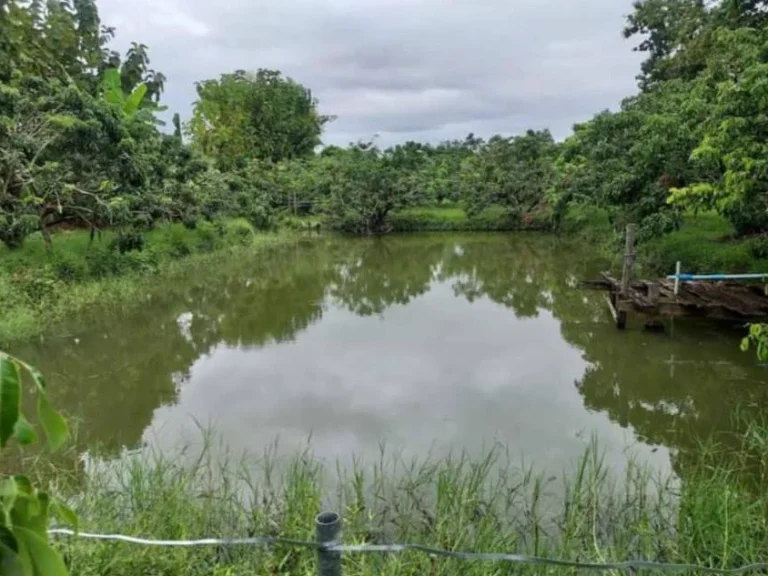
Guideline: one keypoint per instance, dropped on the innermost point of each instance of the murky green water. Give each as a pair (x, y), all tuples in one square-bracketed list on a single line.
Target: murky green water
[(423, 343)]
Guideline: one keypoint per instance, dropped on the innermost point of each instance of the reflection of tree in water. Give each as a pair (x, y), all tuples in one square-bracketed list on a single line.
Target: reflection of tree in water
[(124, 367), (675, 392), (120, 368), (380, 273)]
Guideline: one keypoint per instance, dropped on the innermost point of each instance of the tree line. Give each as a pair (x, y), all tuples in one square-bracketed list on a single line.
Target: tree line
[(81, 144)]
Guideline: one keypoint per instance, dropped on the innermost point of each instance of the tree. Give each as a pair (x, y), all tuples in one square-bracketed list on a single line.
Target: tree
[(732, 152), (261, 116), (514, 173), (364, 190), (670, 30)]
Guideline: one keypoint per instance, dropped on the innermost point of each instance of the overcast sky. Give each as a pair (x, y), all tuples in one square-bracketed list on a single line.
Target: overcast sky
[(425, 70)]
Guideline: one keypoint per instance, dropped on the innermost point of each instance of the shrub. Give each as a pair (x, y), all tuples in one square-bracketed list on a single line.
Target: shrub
[(103, 262), (37, 285), (209, 236), (127, 241), (69, 267), (240, 232)]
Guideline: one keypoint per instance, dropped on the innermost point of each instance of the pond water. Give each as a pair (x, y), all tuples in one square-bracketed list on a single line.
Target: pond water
[(423, 343)]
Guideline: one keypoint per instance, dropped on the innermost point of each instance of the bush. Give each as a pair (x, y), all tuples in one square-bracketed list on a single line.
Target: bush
[(759, 247), (127, 241), (69, 268), (240, 232), (37, 286), (209, 236), (145, 261), (102, 262)]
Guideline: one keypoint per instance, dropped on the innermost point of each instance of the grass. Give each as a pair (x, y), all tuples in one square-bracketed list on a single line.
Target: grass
[(707, 243), (485, 504), (39, 288), (452, 217)]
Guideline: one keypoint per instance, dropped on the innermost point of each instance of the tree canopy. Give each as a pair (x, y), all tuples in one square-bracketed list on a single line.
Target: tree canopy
[(81, 144), (261, 116)]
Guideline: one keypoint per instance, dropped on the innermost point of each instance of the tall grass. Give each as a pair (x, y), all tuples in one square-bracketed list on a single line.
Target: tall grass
[(488, 504)]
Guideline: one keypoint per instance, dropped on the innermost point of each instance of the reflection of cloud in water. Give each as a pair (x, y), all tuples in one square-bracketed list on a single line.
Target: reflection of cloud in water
[(439, 374)]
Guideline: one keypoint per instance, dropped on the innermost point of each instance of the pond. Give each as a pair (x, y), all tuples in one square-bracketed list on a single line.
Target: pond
[(423, 344)]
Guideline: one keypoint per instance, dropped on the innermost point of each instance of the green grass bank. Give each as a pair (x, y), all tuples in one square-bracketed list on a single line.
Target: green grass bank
[(714, 515), (39, 288), (705, 243), (452, 217)]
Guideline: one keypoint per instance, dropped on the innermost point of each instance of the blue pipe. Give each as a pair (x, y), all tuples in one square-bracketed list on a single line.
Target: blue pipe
[(690, 277)]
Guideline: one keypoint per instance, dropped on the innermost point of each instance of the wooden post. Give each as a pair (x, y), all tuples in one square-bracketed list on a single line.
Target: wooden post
[(626, 276)]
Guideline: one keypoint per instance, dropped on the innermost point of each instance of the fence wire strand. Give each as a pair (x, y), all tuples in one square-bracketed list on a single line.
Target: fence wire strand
[(401, 548)]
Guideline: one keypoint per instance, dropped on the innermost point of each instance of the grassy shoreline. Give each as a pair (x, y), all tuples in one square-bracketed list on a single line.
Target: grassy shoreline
[(485, 504), (38, 290)]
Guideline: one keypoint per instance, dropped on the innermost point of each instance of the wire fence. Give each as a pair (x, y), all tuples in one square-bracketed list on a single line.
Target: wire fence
[(329, 550)]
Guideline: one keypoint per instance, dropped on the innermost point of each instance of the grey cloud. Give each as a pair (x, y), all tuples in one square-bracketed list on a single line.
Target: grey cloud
[(425, 69)]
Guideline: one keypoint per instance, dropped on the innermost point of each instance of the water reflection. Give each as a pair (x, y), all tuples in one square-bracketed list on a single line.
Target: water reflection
[(425, 342)]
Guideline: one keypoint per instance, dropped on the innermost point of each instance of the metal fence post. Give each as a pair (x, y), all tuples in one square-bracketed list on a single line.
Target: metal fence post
[(328, 532)]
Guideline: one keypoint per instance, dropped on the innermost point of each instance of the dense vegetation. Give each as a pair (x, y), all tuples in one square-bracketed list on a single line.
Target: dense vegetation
[(82, 147), (81, 144)]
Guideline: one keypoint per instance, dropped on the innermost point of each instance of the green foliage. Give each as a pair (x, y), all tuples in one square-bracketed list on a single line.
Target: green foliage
[(758, 337), (732, 150), (25, 511), (706, 244), (365, 189), (514, 173), (260, 116), (40, 287), (444, 218), (112, 91)]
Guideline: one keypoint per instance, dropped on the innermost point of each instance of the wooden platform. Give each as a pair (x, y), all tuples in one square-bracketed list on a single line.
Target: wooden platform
[(720, 300)]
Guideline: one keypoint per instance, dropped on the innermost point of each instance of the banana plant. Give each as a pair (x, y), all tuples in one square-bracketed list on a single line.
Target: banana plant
[(25, 511), (112, 90)]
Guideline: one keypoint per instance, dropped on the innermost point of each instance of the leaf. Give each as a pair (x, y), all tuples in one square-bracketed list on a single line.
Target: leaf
[(10, 397), (54, 425), (45, 560), (37, 376), (755, 330), (8, 540), (10, 561), (111, 86), (134, 101), (65, 514), (39, 522), (23, 559), (24, 432), (745, 345), (23, 485)]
